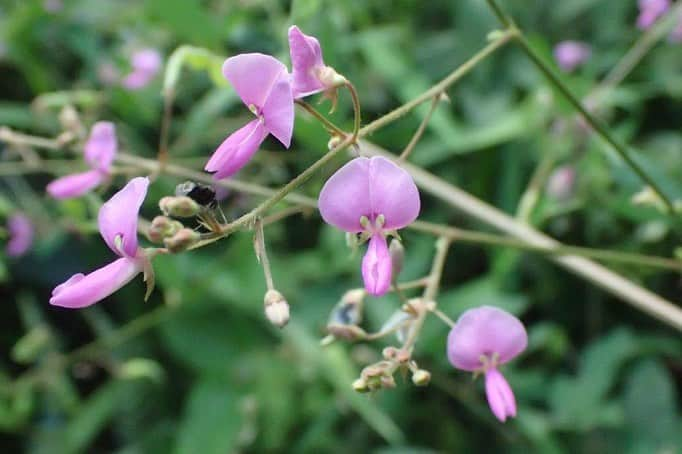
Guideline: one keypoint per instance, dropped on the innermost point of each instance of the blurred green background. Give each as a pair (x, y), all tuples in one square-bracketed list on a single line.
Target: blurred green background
[(197, 369)]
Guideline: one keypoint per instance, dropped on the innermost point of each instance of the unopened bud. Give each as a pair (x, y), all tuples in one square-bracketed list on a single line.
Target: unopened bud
[(330, 78), (347, 332), (397, 252), (182, 239), (68, 118), (334, 142), (360, 385), (388, 382), (389, 353), (276, 308), (421, 377), (181, 207), (162, 227)]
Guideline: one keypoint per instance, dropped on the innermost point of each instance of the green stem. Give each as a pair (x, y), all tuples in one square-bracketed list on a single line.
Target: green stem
[(420, 130), (321, 118), (356, 111), (473, 237)]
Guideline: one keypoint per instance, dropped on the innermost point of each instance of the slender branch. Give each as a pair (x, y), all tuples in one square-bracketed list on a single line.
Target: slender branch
[(472, 237), (262, 254), (592, 120), (420, 130), (356, 111)]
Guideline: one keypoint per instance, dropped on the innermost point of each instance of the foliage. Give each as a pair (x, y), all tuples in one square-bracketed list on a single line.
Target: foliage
[(197, 368)]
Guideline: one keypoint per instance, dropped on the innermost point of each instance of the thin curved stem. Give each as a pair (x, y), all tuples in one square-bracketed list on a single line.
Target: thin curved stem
[(356, 111), (420, 130), (321, 118)]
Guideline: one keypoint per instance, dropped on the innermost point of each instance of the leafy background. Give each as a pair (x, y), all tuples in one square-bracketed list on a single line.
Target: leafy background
[(198, 369)]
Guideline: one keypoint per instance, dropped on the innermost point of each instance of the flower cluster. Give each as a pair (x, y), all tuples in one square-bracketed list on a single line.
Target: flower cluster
[(268, 90), (571, 54), (20, 230)]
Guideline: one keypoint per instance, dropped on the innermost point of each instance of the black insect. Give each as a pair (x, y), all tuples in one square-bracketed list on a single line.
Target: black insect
[(202, 194)]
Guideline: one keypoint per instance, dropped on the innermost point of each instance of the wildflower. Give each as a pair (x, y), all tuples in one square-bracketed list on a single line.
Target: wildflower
[(118, 226), (262, 83), (482, 339), (309, 74), (99, 152), (571, 54), (145, 64), (20, 231), (561, 182), (374, 197), (650, 11)]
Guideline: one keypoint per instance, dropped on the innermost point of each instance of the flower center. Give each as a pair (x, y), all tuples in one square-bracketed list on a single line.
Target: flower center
[(375, 225), (488, 361)]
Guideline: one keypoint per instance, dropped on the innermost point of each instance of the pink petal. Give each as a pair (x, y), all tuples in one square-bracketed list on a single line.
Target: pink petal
[(101, 146), (20, 231), (500, 396), (118, 217), (253, 76), (146, 60), (650, 11), (83, 290), (376, 266), (344, 198), (571, 54), (236, 150), (485, 330), (306, 58), (137, 80), (278, 110), (75, 185), (392, 193)]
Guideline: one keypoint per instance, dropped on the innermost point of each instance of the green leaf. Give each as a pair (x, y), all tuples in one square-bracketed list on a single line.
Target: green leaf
[(211, 419)]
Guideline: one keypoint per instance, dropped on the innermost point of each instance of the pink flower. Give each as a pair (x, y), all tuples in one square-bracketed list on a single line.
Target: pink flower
[(20, 231), (145, 65), (118, 226), (372, 196), (99, 152), (571, 54), (650, 11), (309, 74), (482, 339), (262, 82), (561, 182)]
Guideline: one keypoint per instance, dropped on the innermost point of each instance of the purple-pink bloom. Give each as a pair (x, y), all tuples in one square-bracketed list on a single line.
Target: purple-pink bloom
[(373, 196), (117, 222), (561, 182), (99, 152), (650, 11), (145, 64), (571, 54), (262, 82), (482, 339), (309, 74), (20, 230)]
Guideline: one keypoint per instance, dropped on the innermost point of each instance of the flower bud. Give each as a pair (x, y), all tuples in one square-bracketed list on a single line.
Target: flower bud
[(421, 377), (329, 77), (162, 227), (360, 385), (276, 308), (69, 120), (182, 239), (388, 382), (334, 142), (397, 253), (347, 332), (181, 207)]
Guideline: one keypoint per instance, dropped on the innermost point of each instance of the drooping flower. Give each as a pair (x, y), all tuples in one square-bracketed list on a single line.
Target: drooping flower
[(309, 74), (20, 230), (374, 197), (571, 54), (650, 11), (145, 64), (99, 152), (483, 339), (117, 222), (262, 82)]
